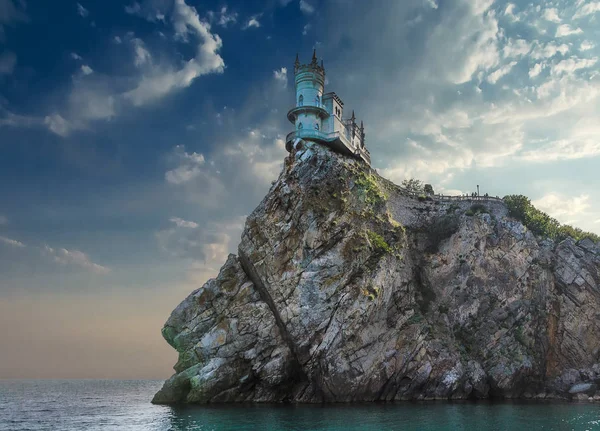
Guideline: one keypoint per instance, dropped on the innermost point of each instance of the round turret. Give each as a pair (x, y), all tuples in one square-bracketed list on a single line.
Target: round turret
[(309, 80)]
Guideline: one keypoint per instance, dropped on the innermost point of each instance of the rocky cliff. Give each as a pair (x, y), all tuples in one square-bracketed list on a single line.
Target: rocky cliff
[(346, 289)]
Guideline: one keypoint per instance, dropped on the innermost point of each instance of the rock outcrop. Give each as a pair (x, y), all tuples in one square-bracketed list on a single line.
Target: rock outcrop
[(346, 289)]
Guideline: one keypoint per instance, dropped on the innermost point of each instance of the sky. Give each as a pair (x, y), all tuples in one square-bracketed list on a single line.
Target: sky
[(136, 136)]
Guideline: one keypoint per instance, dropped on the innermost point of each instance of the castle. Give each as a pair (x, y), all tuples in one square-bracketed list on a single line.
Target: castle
[(318, 116)]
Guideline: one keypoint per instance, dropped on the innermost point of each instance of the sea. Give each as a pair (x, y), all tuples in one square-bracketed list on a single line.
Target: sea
[(90, 405)]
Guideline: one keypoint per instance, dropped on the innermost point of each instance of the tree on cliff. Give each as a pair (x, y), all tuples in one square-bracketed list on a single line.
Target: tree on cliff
[(413, 185)]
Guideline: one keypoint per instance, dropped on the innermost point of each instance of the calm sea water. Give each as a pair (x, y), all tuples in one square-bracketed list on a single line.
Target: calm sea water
[(125, 405)]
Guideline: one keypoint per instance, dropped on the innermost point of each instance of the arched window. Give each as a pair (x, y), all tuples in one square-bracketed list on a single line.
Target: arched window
[(301, 100), (316, 126), (299, 124)]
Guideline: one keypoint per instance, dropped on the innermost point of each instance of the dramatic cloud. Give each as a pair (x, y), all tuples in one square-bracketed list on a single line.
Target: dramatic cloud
[(161, 80), (96, 96)]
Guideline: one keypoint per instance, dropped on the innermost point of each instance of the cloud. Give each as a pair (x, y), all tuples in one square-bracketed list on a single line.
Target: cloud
[(188, 166), (587, 9), (150, 10), (86, 70), (306, 7), (536, 70), (281, 76), (499, 73), (551, 14), (431, 3), (586, 45), (252, 23), (223, 18), (117, 40), (96, 96), (75, 56), (11, 242), (3, 220), (577, 141), (8, 61), (516, 48), (566, 30), (183, 223), (572, 64), (562, 207), (82, 11), (206, 245), (161, 81), (548, 51), (58, 125), (63, 256), (142, 56), (305, 29)]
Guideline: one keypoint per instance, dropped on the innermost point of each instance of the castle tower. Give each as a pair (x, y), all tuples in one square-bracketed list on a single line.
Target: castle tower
[(309, 80), (318, 116)]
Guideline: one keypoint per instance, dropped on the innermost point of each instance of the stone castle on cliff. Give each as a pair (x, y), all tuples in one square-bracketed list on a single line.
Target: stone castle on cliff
[(318, 116)]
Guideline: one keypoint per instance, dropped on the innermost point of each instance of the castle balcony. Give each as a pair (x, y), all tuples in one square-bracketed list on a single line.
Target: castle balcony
[(334, 140), (312, 109)]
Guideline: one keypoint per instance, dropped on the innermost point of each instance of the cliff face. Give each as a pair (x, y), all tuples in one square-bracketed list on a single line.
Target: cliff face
[(345, 289)]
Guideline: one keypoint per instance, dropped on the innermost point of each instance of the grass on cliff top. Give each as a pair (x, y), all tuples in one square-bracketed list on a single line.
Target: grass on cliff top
[(540, 223)]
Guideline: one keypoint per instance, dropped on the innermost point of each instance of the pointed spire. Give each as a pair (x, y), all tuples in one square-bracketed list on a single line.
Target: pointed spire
[(314, 57), (297, 60), (362, 127), (322, 64), (353, 117)]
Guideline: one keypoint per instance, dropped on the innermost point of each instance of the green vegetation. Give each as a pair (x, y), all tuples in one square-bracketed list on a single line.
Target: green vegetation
[(540, 223), (476, 209), (413, 186), (378, 242), (371, 189)]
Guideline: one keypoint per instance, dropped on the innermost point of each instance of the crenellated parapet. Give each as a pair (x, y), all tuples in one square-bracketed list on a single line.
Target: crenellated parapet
[(318, 116)]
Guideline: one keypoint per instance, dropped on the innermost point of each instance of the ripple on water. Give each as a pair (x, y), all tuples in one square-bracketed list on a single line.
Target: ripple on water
[(125, 405)]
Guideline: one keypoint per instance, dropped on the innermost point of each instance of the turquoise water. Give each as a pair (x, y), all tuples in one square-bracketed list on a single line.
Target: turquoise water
[(125, 405)]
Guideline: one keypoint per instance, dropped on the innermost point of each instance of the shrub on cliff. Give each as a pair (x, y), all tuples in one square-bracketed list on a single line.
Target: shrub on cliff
[(540, 223)]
